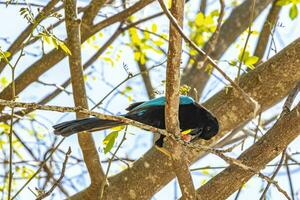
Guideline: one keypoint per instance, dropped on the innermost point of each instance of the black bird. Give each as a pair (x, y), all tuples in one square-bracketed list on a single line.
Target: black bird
[(195, 121)]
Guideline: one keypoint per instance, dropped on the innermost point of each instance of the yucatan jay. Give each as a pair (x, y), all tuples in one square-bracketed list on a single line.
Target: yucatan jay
[(193, 118)]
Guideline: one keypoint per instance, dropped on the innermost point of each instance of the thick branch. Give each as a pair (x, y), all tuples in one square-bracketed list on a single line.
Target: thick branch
[(268, 84), (232, 28), (91, 11), (260, 154), (179, 161), (32, 73), (15, 46), (86, 142)]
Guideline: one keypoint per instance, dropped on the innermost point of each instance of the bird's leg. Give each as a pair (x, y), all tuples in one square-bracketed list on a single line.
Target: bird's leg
[(159, 145), (164, 151)]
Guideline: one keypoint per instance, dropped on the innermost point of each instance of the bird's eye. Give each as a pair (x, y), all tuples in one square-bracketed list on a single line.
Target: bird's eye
[(208, 128)]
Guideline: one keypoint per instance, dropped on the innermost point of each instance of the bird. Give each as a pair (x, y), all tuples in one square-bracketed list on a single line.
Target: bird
[(195, 121)]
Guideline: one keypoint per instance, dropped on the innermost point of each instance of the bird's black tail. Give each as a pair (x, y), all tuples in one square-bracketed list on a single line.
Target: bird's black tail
[(87, 124)]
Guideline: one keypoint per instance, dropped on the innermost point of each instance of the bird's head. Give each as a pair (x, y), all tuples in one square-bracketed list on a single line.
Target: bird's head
[(206, 131)]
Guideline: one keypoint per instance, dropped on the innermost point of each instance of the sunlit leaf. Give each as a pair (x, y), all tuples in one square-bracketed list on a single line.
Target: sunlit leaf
[(282, 2), (117, 128), (108, 59), (199, 20), (205, 171), (251, 60), (65, 48), (154, 28), (137, 55), (293, 12), (158, 42), (4, 127), (7, 54), (109, 141)]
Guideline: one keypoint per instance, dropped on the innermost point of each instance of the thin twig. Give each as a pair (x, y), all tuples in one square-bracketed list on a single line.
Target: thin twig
[(44, 195), (248, 98), (130, 76), (274, 175), (110, 162), (247, 40), (289, 177), (39, 169)]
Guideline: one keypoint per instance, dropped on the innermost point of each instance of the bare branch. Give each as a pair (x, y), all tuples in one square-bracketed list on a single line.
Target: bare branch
[(22, 37), (266, 83), (266, 30), (44, 195), (257, 156), (179, 162), (86, 142), (231, 29)]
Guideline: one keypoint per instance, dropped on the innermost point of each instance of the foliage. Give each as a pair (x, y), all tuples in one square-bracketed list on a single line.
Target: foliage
[(293, 13)]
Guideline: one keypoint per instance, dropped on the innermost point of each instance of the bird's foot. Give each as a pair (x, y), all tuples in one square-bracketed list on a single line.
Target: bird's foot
[(164, 151)]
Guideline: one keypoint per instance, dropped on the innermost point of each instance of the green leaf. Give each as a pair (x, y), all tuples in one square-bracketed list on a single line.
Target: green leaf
[(54, 41), (199, 20), (282, 2), (47, 39), (128, 89), (109, 141), (3, 81), (108, 59), (158, 42), (233, 63), (7, 54), (117, 128), (251, 60), (245, 56), (4, 127), (65, 48), (293, 12), (154, 28), (214, 13)]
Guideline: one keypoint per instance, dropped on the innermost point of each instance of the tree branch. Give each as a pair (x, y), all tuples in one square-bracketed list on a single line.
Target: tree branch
[(268, 83), (231, 29), (257, 156), (16, 45), (86, 142), (179, 161), (266, 31), (50, 59)]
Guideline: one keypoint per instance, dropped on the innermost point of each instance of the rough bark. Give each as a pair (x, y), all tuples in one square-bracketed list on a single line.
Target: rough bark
[(86, 142), (179, 161), (268, 84), (232, 28), (257, 156), (16, 45), (50, 59)]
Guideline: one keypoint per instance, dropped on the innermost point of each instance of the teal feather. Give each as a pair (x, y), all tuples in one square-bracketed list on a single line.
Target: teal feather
[(161, 101)]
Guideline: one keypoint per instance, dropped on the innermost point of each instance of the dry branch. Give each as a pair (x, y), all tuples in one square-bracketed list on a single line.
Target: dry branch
[(268, 84), (231, 29), (257, 156), (179, 162), (86, 142), (33, 72), (266, 30)]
